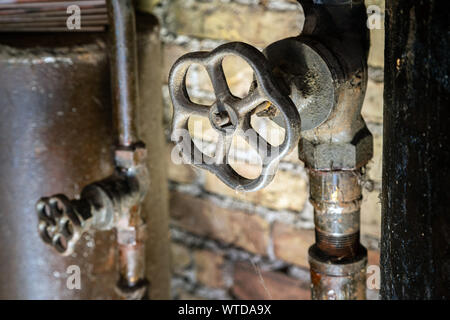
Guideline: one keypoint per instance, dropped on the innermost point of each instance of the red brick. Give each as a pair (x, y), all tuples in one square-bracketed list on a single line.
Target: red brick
[(204, 218), (232, 21), (171, 53), (292, 244), (209, 268), (181, 257), (287, 191), (253, 284)]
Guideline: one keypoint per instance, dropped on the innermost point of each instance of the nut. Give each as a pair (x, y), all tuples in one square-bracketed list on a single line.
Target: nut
[(131, 157), (338, 156), (130, 235)]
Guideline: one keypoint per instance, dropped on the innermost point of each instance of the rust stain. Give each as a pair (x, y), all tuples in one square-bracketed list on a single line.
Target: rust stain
[(315, 278)]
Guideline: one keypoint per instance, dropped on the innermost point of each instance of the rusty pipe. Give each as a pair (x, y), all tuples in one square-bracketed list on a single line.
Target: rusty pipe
[(336, 151), (114, 202), (131, 229), (337, 259), (322, 73)]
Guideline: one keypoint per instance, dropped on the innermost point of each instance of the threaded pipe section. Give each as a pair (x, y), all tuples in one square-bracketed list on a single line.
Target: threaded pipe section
[(339, 247)]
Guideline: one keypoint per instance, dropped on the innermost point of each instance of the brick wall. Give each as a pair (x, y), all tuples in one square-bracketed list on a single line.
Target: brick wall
[(232, 245)]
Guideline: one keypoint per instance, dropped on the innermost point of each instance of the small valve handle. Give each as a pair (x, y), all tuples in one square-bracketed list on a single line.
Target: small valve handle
[(60, 223), (230, 116)]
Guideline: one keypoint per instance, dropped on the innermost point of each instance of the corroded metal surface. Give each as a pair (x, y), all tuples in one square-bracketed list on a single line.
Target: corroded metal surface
[(56, 123), (110, 203), (304, 74), (336, 197), (336, 150), (116, 199), (337, 259), (130, 154), (338, 33), (337, 280)]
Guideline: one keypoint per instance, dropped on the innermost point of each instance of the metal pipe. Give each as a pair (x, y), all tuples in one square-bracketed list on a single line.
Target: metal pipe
[(336, 151), (415, 235), (123, 60), (337, 259), (131, 228), (330, 59), (44, 16)]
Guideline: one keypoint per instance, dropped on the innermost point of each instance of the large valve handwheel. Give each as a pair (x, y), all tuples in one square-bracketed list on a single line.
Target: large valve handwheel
[(230, 116)]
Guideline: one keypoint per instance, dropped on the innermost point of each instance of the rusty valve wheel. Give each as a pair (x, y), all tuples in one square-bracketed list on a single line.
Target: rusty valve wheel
[(230, 116), (60, 225)]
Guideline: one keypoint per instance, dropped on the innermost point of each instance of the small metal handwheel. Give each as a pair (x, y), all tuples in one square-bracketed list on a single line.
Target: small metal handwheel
[(230, 116), (59, 224)]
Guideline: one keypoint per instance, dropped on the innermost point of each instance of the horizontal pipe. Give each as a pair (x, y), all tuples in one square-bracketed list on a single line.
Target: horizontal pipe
[(100, 18), (49, 4), (44, 29)]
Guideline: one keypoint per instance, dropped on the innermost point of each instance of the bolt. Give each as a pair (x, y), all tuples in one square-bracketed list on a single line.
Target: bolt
[(131, 157), (221, 119)]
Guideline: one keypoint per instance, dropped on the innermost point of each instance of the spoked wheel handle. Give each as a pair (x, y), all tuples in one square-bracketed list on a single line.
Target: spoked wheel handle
[(230, 116)]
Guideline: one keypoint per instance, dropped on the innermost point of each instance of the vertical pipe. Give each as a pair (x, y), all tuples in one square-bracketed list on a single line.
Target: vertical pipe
[(336, 151), (123, 59), (415, 241), (132, 283), (131, 230), (337, 259)]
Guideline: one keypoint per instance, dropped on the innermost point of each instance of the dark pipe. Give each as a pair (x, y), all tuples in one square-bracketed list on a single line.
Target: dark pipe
[(123, 59), (415, 243), (338, 259)]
